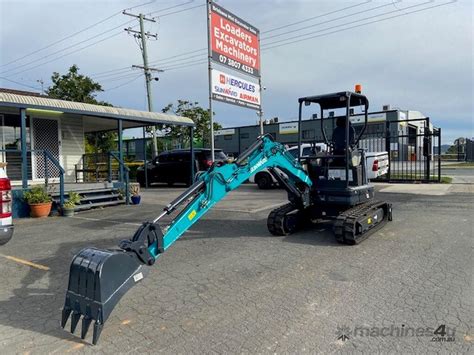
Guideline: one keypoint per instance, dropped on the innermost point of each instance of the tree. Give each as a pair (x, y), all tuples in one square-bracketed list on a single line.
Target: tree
[(80, 88), (200, 117), (75, 87)]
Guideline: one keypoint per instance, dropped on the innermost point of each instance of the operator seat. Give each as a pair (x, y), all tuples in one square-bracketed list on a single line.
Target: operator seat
[(339, 140)]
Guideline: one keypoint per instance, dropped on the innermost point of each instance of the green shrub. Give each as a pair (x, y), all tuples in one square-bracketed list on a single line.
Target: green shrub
[(36, 194), (74, 199)]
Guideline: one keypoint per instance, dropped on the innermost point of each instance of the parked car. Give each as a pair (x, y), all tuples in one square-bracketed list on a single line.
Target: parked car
[(6, 221), (376, 164), (265, 180), (174, 166)]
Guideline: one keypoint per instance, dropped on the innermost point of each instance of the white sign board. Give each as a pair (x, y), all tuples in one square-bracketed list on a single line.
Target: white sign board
[(235, 90), (288, 128), (372, 117), (224, 132)]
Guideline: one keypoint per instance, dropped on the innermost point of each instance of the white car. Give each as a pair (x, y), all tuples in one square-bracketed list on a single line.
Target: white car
[(265, 180), (376, 165), (6, 221)]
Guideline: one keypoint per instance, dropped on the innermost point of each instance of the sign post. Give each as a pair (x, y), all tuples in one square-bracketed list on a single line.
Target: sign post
[(209, 68), (232, 43)]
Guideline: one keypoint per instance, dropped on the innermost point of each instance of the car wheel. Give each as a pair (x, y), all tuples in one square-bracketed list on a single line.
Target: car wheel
[(263, 181)]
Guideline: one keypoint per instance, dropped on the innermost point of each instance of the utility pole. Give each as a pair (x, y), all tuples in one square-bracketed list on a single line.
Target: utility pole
[(42, 85), (260, 110), (146, 69), (209, 65)]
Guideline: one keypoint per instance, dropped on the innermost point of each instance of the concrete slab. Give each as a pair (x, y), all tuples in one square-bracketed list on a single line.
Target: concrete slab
[(416, 189)]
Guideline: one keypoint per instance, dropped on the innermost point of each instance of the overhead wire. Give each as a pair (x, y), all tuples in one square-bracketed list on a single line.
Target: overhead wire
[(328, 21), (21, 84), (172, 65), (197, 62), (298, 39), (123, 84), (316, 17), (73, 34), (91, 38)]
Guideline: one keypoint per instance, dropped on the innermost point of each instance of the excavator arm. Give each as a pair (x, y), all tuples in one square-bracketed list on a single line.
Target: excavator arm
[(99, 278)]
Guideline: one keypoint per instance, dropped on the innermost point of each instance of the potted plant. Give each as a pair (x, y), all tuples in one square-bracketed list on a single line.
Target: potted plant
[(39, 201), (135, 192), (70, 204)]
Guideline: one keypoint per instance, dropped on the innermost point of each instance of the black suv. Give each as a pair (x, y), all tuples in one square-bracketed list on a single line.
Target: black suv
[(174, 166)]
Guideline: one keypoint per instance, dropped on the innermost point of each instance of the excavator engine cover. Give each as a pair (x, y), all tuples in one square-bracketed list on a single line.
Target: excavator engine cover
[(97, 280)]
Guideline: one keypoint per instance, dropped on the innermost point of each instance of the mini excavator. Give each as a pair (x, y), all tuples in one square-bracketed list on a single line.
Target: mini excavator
[(325, 186)]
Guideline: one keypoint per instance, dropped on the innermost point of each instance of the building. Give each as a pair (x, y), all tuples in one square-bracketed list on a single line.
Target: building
[(398, 131), (42, 139)]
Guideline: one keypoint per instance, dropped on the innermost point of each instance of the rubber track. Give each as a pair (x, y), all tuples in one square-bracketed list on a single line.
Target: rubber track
[(345, 224), (276, 218)]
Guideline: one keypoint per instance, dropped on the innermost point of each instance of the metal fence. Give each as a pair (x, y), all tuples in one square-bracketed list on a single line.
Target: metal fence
[(414, 149)]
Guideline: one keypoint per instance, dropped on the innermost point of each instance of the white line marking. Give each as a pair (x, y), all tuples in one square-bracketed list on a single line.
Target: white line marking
[(106, 220)]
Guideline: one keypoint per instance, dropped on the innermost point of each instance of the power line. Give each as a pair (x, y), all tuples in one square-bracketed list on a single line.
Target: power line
[(18, 83), (179, 11), (328, 21), (126, 83), (184, 65), (315, 17), (166, 62), (120, 77), (274, 45), (115, 72), (171, 7), (64, 55), (345, 24), (355, 26), (163, 60), (71, 35), (93, 37), (109, 71), (71, 46)]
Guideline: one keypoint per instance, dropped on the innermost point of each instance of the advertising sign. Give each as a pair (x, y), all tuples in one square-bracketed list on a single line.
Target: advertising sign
[(288, 128), (234, 42), (224, 132), (372, 117), (235, 90)]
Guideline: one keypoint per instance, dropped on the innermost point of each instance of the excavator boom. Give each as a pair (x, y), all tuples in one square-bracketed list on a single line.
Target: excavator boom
[(99, 278)]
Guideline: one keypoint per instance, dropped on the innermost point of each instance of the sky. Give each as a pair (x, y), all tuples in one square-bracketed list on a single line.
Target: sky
[(414, 61)]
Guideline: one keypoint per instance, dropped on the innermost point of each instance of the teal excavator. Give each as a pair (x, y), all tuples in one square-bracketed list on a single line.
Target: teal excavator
[(330, 185)]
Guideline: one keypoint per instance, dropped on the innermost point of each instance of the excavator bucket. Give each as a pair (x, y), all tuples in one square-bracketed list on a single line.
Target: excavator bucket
[(97, 280)]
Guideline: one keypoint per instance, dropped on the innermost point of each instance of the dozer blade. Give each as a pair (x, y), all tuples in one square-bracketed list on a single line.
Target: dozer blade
[(97, 281)]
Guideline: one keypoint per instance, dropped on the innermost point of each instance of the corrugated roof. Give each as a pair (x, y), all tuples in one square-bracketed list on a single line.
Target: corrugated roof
[(44, 103)]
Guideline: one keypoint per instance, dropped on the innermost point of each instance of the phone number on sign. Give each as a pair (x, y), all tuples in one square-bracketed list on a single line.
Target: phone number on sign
[(235, 64)]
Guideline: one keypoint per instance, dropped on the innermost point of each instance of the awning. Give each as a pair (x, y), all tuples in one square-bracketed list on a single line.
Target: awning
[(45, 103)]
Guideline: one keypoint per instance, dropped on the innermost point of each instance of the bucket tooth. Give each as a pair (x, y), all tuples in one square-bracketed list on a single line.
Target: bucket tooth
[(97, 281), (65, 316), (86, 322), (97, 330), (74, 320)]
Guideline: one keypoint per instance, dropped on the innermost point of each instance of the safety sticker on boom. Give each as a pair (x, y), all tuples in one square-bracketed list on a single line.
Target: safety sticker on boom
[(192, 215)]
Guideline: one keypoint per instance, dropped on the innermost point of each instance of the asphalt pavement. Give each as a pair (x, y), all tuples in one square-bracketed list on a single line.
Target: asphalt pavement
[(228, 286)]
